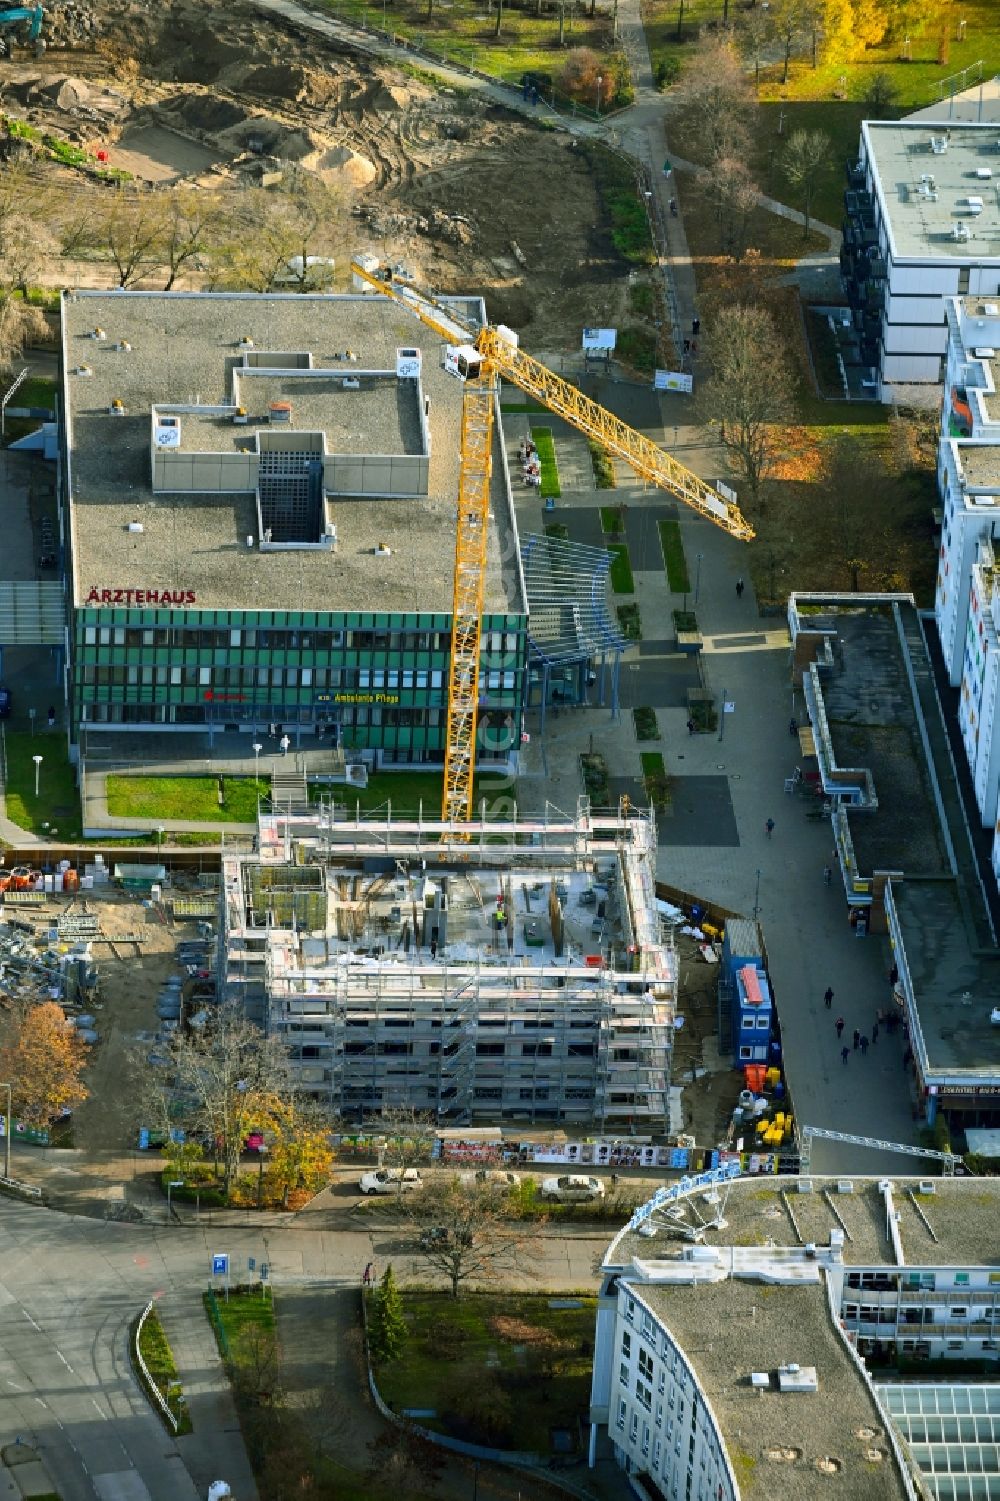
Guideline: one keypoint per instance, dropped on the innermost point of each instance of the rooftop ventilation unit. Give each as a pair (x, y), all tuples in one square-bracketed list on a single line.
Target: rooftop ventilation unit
[(927, 1186), (98, 333), (805, 1186), (168, 432), (797, 1378), (760, 1380), (279, 411), (845, 1186), (991, 309), (123, 346), (974, 204), (836, 1239), (960, 231), (135, 526), (939, 145), (408, 364), (117, 407), (984, 172), (984, 352)]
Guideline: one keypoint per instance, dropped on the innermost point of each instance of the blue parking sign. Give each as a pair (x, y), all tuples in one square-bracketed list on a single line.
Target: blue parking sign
[(220, 1264)]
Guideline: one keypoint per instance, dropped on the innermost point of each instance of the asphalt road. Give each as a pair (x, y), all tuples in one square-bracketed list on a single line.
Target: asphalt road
[(70, 1286)]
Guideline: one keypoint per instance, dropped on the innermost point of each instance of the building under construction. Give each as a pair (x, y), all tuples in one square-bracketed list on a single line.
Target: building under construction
[(509, 971)]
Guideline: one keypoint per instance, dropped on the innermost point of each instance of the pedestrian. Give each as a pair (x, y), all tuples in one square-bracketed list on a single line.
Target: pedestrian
[(827, 875), (844, 1054), (857, 1038), (839, 1024), (367, 1275), (894, 974), (875, 1034), (696, 326), (52, 716), (793, 726), (691, 726), (434, 948), (740, 586), (864, 1043), (673, 207), (687, 346), (828, 996), (769, 827)]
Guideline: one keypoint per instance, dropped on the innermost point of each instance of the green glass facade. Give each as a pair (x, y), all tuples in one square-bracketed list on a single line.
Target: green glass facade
[(375, 681)]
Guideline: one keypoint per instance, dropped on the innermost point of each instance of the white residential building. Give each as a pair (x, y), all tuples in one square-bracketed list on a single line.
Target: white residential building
[(980, 679), (922, 225), (744, 1333)]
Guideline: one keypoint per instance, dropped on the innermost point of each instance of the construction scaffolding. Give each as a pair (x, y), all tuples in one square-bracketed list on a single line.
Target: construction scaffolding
[(525, 979)]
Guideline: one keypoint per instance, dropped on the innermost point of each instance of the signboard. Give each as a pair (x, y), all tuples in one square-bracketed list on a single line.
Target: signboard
[(599, 340), (366, 698), (673, 380), (141, 597), (220, 1264)]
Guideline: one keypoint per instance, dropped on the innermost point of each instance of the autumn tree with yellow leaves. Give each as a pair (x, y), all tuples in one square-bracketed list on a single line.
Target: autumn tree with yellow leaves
[(44, 1060)]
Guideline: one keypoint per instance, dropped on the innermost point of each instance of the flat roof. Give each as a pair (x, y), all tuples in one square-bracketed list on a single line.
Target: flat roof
[(963, 1213), (926, 191), (382, 417), (980, 464), (182, 347), (785, 1444)]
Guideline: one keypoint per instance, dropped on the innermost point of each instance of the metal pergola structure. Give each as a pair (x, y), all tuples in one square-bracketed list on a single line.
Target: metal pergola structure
[(570, 620)]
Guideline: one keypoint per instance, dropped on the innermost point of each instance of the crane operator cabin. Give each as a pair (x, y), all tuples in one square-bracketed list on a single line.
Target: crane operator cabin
[(262, 499)]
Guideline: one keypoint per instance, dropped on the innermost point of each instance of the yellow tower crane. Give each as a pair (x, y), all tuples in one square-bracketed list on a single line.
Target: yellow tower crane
[(480, 356)]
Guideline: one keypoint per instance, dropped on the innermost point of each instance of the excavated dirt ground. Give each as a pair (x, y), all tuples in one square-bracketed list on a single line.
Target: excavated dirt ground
[(460, 192)]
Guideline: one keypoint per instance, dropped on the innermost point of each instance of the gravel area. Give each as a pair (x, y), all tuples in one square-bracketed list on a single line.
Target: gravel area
[(383, 417), (181, 348)]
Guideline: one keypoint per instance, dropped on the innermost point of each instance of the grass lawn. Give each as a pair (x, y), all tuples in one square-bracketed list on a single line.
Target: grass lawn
[(58, 802), (637, 347), (543, 441), (462, 33), (823, 346), (674, 561), (655, 778), (533, 1362), (622, 581), (612, 519), (36, 391), (522, 406), (557, 529), (195, 798), (243, 1310), (159, 1358), (622, 205)]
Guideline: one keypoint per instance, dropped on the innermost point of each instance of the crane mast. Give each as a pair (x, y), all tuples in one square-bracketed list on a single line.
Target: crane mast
[(486, 354)]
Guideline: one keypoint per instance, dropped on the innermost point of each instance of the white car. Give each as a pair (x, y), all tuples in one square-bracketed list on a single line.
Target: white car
[(490, 1177), (572, 1188), (390, 1180)]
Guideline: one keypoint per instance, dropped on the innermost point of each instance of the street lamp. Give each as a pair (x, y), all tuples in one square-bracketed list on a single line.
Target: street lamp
[(697, 577), (8, 1123), (257, 748), (172, 1184), (600, 80), (756, 897), (38, 766), (159, 837)]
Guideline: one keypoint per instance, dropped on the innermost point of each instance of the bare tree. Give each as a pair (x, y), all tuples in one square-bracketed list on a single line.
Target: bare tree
[(735, 197), (805, 161), (753, 38), (192, 223), (715, 100), (21, 325), (227, 1079), (786, 18), (750, 391), (470, 1233), (132, 235)]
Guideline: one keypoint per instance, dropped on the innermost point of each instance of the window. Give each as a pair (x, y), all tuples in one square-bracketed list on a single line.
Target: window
[(633, 1427), (746, 1053), (626, 1345), (622, 1410), (961, 1279), (645, 1438), (644, 1395), (645, 1364), (623, 1374), (960, 1312)]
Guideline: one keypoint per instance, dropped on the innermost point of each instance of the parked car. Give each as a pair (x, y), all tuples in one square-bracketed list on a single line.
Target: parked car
[(572, 1188), (494, 1177), (390, 1180), (6, 703)]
